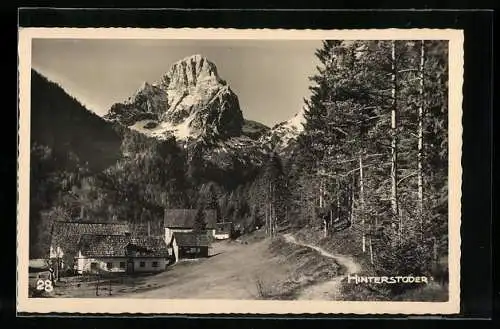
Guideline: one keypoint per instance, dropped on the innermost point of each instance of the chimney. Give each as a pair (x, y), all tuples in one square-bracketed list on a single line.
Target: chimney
[(149, 228)]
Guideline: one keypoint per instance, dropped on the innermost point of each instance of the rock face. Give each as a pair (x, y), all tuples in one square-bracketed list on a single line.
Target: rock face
[(190, 101), (284, 134)]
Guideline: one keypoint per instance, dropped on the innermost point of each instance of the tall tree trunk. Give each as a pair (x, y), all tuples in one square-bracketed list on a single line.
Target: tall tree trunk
[(270, 210), (351, 214), (352, 206), (421, 139), (271, 215), (338, 198), (321, 193), (394, 151), (370, 243), (267, 213), (362, 203)]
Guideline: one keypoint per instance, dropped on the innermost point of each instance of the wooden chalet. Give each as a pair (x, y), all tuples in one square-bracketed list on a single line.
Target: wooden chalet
[(183, 221), (66, 234), (189, 245), (121, 253)]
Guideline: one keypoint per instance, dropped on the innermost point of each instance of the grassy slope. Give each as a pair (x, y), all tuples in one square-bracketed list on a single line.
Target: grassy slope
[(307, 267), (347, 243)]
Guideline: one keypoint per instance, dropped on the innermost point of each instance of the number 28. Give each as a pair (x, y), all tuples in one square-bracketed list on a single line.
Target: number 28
[(44, 285)]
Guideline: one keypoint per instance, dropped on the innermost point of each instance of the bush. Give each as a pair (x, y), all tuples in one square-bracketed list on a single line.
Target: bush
[(409, 258), (365, 291)]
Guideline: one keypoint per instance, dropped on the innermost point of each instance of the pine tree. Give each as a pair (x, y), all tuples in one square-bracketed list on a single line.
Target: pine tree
[(276, 191), (435, 146), (199, 220), (213, 201)]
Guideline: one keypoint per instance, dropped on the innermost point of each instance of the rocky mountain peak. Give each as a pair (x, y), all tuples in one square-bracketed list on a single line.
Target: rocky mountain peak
[(193, 71), (283, 134), (191, 101)]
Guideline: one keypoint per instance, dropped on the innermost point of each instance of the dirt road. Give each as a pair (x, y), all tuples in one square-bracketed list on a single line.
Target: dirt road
[(231, 273), (329, 290)]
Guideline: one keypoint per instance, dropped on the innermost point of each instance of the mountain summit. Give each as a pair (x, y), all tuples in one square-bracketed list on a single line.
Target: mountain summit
[(284, 134), (190, 101)]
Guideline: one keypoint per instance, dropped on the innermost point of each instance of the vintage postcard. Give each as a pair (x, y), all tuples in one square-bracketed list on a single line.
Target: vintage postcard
[(219, 171)]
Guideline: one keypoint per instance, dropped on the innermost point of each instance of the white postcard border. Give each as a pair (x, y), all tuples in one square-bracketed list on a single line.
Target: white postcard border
[(205, 306)]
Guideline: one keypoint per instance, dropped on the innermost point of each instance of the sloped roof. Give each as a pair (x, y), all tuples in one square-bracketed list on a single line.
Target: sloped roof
[(185, 218), (154, 246), (63, 229), (117, 246), (191, 239), (140, 230), (103, 245), (66, 234)]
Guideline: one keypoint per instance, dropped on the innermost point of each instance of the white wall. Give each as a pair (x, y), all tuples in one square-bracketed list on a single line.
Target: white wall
[(56, 252), (84, 264), (148, 264), (221, 236), (175, 247)]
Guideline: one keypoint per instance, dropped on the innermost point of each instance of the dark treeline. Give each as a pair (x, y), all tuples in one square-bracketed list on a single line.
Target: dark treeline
[(374, 152), (372, 160)]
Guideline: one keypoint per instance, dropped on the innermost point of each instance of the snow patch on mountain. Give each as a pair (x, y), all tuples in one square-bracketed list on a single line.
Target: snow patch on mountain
[(284, 133), (190, 101)]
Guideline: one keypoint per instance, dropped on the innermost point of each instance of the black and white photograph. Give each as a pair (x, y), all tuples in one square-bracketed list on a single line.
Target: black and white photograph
[(222, 169)]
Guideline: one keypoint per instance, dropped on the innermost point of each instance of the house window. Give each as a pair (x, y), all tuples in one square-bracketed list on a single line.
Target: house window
[(155, 264), (109, 266), (122, 264), (142, 264)]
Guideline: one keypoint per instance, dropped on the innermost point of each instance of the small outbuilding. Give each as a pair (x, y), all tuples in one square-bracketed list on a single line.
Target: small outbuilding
[(189, 245), (183, 221), (223, 230)]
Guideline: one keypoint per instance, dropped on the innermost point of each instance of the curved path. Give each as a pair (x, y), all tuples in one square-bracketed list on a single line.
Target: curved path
[(329, 290)]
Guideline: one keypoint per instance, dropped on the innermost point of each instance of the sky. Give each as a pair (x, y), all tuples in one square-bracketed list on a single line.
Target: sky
[(270, 78)]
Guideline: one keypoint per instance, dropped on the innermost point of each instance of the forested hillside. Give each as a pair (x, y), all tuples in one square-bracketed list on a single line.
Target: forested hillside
[(67, 142), (373, 156), (369, 166), (60, 122), (88, 169)]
